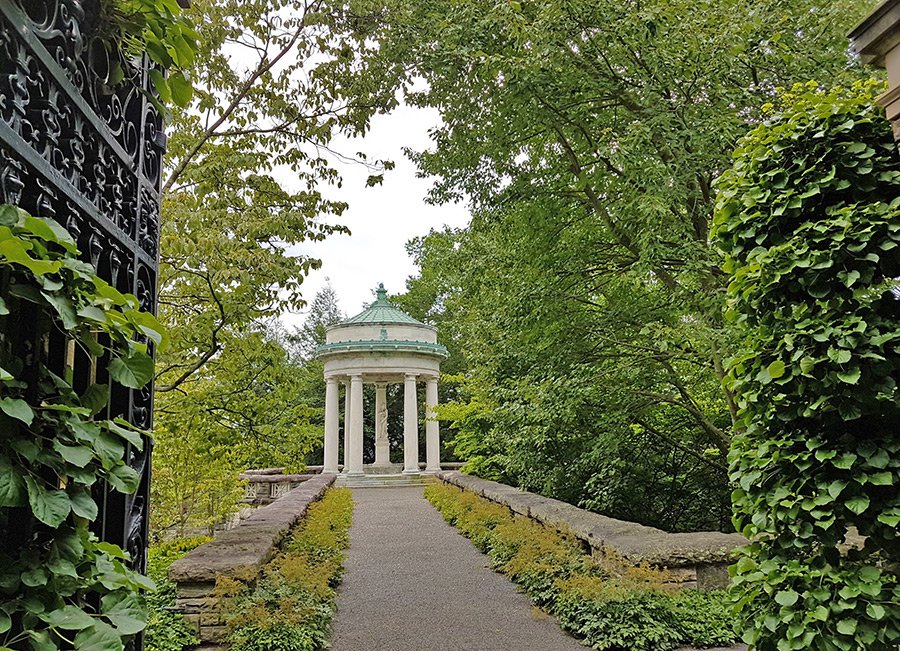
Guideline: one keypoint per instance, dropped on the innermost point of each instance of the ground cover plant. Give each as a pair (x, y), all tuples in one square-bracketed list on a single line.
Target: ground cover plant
[(167, 630), (290, 605), (809, 219), (607, 602)]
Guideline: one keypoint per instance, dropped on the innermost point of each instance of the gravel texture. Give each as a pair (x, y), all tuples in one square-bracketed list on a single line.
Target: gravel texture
[(414, 584)]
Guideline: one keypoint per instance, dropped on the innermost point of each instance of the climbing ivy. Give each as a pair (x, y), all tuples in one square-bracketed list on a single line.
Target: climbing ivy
[(61, 586), (809, 220), (157, 28)]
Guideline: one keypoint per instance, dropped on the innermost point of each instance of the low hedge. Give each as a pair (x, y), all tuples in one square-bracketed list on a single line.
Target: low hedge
[(603, 600), (290, 605)]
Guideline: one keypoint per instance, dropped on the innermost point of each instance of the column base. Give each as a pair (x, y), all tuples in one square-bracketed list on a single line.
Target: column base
[(355, 473), (431, 471), (410, 472)]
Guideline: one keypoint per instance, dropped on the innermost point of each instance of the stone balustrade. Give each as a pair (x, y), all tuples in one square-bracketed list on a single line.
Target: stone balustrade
[(694, 560), (239, 553)]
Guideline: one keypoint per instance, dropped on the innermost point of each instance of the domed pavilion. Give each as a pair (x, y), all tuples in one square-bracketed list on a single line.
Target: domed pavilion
[(380, 345)]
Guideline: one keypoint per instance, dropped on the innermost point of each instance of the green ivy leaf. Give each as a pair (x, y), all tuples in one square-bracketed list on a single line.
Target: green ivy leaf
[(776, 369), (126, 611), (133, 370), (5, 621), (100, 637), (50, 506), (124, 479), (182, 90), (857, 504), (95, 398), (885, 478), (12, 485), (35, 577), (786, 597), (82, 504), (850, 377), (130, 435), (70, 618), (79, 456), (18, 409), (846, 626), (875, 611), (9, 215)]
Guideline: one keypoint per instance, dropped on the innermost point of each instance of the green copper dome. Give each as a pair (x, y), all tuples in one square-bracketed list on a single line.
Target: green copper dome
[(375, 330), (382, 311)]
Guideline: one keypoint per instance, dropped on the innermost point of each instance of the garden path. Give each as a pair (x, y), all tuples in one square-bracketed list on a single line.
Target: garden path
[(412, 583)]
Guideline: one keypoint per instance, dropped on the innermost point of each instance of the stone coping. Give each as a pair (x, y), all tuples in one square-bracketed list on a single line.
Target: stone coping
[(242, 551), (636, 542), (274, 479), (875, 36)]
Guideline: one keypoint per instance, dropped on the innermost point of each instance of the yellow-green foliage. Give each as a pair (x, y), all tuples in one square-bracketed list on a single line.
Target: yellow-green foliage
[(603, 598), (290, 605)]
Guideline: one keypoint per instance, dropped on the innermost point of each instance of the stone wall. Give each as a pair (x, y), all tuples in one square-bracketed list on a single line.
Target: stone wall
[(695, 560), (240, 553)]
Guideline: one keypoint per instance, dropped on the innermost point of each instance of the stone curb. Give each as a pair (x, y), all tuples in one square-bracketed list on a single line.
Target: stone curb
[(703, 555), (243, 550)]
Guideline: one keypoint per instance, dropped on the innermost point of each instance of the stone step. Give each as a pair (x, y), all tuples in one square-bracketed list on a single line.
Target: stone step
[(383, 481)]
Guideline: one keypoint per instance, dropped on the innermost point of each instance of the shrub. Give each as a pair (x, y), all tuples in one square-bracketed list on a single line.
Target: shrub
[(604, 600), (290, 605)]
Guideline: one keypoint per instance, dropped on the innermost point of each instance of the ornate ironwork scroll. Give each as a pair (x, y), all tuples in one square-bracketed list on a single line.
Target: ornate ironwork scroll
[(87, 153)]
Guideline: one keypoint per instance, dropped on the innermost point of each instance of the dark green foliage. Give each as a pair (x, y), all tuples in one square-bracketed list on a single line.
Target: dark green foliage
[(166, 630), (59, 585), (601, 599), (809, 219)]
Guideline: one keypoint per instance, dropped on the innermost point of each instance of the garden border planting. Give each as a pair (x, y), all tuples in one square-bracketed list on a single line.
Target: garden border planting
[(238, 553), (697, 560)]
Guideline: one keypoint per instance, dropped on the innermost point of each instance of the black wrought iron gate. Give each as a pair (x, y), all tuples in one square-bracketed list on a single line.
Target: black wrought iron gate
[(87, 153)]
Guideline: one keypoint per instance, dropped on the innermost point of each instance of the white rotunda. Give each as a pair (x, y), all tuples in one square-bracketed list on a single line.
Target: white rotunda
[(380, 345)]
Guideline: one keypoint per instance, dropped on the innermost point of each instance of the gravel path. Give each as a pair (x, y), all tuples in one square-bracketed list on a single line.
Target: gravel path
[(414, 584)]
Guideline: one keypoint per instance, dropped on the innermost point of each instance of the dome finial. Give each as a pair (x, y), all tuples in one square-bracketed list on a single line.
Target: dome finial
[(381, 292)]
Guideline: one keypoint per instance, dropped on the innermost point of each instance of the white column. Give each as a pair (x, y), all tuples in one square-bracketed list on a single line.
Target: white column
[(346, 427), (356, 425), (382, 445), (332, 405), (432, 428), (410, 426)]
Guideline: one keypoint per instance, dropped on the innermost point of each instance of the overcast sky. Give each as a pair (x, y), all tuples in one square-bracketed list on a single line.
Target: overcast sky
[(382, 218)]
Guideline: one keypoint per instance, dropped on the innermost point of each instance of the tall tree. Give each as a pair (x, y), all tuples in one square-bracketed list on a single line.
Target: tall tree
[(586, 136)]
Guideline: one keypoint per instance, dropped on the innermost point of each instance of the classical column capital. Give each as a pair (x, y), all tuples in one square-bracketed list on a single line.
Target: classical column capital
[(331, 379)]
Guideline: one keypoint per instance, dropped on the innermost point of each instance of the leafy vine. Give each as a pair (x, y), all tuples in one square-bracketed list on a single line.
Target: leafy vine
[(809, 220), (64, 588)]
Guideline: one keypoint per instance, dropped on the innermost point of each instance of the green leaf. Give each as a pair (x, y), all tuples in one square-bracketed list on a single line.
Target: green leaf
[(159, 83), (786, 597), (807, 364), (133, 370), (50, 506), (35, 577), (5, 621), (79, 456), (850, 377), (83, 505), (12, 485), (126, 611), (109, 447), (95, 398), (71, 618), (882, 478), (124, 479), (13, 251), (64, 308), (130, 435), (100, 637), (875, 611), (776, 369), (857, 504), (41, 641), (846, 626), (181, 88), (9, 215), (18, 409)]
